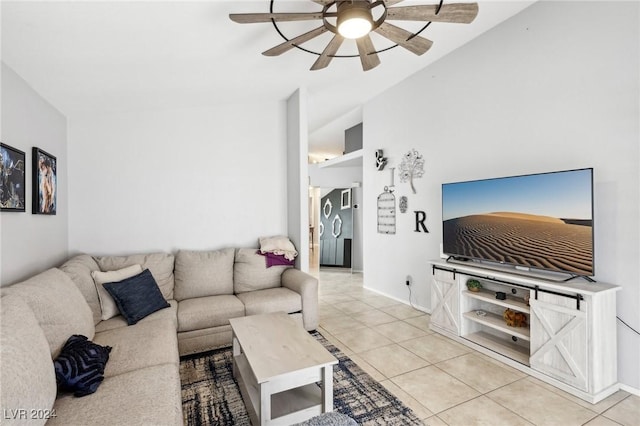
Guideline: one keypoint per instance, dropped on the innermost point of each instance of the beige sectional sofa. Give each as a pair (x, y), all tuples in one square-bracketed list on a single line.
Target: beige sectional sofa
[(142, 379)]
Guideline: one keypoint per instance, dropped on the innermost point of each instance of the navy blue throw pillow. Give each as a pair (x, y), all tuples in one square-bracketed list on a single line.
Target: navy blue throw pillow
[(137, 297), (80, 365)]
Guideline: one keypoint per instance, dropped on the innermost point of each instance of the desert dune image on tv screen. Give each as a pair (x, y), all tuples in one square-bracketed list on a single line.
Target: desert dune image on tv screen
[(540, 221)]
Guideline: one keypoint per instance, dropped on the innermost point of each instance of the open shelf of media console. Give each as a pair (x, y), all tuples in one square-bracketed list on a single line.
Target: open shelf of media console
[(569, 339)]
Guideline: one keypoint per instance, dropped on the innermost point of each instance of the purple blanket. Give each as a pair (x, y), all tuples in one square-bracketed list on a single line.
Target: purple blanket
[(276, 259)]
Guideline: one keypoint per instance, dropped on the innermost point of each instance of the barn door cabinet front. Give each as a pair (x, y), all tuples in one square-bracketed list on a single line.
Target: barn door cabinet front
[(574, 340), (445, 313)]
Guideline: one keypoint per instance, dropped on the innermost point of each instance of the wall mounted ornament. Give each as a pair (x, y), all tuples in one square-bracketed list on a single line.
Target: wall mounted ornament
[(336, 226), (412, 166), (421, 216), (387, 210), (404, 203), (326, 209), (381, 161)]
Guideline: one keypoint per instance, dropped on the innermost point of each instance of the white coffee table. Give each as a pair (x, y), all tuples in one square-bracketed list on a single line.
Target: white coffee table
[(277, 364)]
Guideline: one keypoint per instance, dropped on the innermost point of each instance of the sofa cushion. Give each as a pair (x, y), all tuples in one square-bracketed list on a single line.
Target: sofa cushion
[(160, 265), (108, 306), (205, 312), (142, 345), (79, 269), (26, 373), (250, 272), (271, 300), (137, 297), (80, 365), (203, 273), (170, 314), (148, 396), (58, 305)]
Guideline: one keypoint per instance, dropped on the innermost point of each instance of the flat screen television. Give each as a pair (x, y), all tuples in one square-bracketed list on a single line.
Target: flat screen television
[(540, 221)]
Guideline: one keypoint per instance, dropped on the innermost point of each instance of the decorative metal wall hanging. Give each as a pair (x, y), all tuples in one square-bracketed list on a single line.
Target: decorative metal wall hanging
[(387, 210), (381, 161), (412, 166), (12, 179), (404, 203), (336, 226), (326, 209), (321, 228)]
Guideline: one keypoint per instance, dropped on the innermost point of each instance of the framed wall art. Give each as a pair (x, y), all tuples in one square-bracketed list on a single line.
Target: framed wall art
[(45, 182), (345, 199), (12, 179)]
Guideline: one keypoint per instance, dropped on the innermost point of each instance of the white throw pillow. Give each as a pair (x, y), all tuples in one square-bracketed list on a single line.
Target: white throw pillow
[(107, 304), (278, 245)]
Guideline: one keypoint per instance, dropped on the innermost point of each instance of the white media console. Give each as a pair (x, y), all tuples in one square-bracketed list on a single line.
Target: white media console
[(570, 337)]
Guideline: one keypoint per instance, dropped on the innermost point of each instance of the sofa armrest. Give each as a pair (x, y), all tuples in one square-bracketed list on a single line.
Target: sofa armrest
[(307, 286)]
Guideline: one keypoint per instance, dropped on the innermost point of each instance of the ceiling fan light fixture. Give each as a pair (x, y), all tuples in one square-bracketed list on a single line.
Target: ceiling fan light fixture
[(354, 19)]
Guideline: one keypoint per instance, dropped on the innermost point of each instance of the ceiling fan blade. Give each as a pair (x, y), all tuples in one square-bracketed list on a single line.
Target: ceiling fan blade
[(401, 37), (366, 50), (323, 2), (391, 2), (327, 54), (288, 45), (462, 13), (251, 18)]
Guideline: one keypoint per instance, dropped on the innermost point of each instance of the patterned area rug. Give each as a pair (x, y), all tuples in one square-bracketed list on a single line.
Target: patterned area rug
[(210, 395)]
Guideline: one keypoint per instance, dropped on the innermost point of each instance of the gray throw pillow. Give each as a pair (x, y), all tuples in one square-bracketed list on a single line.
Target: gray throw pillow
[(137, 297)]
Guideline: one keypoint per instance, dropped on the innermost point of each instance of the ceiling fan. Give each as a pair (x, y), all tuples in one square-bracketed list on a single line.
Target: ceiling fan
[(355, 19)]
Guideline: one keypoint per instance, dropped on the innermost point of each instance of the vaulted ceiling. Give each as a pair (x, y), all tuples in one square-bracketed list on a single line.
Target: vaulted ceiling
[(89, 57)]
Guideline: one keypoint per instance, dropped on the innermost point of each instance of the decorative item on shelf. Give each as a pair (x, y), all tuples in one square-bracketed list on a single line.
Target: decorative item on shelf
[(45, 183), (514, 319), (12, 179), (526, 299), (501, 295), (481, 313), (404, 203), (412, 166), (381, 160), (474, 285)]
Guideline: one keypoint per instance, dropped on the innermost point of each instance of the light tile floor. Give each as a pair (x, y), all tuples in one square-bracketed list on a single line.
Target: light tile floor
[(444, 382)]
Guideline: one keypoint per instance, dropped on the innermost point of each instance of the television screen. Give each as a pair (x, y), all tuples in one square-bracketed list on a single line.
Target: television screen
[(542, 221)]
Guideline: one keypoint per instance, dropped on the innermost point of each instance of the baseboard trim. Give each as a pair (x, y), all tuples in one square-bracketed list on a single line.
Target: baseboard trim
[(405, 302), (631, 390)]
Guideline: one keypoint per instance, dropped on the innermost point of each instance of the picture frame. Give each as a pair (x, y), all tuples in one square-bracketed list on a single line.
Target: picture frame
[(345, 199), (12, 179), (45, 183)]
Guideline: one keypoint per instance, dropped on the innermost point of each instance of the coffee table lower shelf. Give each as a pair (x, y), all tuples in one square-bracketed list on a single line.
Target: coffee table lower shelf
[(287, 407)]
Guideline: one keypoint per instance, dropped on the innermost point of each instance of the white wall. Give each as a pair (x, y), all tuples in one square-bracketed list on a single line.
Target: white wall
[(195, 178), (32, 243), (541, 92), (297, 180)]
